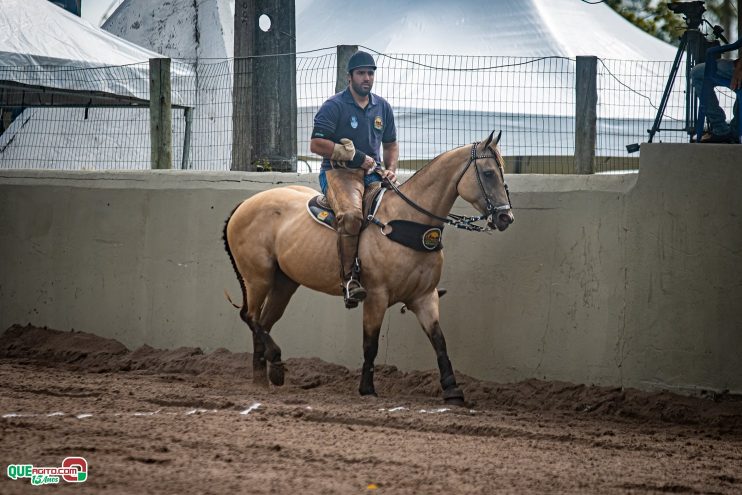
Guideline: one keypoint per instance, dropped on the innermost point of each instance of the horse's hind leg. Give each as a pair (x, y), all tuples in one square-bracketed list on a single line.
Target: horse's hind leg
[(254, 295), (426, 310), (276, 301), (258, 349)]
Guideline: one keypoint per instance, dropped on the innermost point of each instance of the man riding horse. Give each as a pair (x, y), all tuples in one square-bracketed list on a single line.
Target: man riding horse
[(348, 131)]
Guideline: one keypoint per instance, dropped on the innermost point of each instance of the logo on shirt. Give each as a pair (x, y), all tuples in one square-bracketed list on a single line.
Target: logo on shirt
[(353, 122), (378, 123)]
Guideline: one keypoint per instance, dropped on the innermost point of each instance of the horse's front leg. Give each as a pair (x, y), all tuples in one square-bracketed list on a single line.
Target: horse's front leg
[(426, 310), (374, 308)]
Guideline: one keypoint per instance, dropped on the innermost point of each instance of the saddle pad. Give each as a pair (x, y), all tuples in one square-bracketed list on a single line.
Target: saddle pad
[(321, 212)]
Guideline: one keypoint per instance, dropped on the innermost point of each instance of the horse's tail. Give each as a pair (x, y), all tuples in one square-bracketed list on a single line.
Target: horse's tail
[(229, 299), (234, 264)]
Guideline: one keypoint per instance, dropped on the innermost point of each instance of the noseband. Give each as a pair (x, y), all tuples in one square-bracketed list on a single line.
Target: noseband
[(462, 222)]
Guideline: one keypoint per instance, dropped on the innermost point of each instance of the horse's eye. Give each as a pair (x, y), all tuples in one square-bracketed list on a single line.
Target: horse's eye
[(488, 173)]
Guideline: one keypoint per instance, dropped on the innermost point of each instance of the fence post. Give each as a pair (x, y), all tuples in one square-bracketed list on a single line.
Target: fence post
[(188, 116), (245, 23), (344, 53), (586, 113), (274, 81), (160, 113)]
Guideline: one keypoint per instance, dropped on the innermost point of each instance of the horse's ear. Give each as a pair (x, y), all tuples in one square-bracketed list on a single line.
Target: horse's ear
[(488, 141), (492, 141)]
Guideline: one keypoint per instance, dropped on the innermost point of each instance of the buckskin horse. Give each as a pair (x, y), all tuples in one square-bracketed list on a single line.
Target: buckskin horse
[(275, 246)]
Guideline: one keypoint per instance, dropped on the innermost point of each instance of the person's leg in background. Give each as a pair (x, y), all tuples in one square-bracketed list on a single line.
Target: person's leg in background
[(720, 129)]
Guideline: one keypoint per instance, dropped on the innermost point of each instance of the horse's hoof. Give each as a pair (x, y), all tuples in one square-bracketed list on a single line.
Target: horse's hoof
[(275, 373), (368, 392), (453, 397), (455, 401)]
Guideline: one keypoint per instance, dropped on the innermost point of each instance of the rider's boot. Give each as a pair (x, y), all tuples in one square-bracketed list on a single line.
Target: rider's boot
[(353, 291), (345, 194)]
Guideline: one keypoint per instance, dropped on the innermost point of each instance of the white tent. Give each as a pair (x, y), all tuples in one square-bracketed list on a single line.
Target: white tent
[(44, 50), (202, 34), (37, 38), (525, 101), (485, 71), (526, 28)]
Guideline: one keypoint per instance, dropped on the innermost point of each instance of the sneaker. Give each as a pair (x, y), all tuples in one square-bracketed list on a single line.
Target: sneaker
[(728, 138)]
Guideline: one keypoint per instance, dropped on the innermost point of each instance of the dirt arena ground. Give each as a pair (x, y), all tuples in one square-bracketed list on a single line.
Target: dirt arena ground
[(181, 421)]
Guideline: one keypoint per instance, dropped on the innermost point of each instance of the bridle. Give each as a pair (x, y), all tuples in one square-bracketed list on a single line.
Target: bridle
[(459, 221)]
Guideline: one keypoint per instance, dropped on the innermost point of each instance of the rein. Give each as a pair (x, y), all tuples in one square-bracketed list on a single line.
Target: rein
[(459, 221)]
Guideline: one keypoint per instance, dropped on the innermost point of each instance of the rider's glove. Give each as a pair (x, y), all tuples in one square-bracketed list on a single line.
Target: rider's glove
[(345, 155), (343, 151)]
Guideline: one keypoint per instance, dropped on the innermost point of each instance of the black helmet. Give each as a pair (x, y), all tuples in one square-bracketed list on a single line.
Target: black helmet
[(360, 59)]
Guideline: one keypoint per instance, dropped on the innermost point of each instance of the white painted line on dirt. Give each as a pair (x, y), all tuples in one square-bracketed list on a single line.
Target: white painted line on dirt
[(83, 416), (250, 409), (434, 411), (198, 410), (146, 413), (58, 413), (394, 409)]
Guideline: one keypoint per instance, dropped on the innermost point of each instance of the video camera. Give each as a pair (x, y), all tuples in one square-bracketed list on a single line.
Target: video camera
[(693, 12)]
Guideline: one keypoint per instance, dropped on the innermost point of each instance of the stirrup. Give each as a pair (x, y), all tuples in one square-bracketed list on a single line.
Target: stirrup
[(353, 293)]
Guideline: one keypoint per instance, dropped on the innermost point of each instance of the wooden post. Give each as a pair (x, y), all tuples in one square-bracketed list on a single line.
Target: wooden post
[(586, 113), (160, 113), (274, 83), (344, 53), (245, 24), (264, 114), (188, 116)]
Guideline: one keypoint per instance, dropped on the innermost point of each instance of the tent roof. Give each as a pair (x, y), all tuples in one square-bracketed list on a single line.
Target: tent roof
[(177, 28), (527, 28), (36, 34)]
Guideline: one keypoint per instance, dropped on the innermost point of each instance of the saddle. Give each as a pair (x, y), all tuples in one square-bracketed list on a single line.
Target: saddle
[(321, 212), (417, 236)]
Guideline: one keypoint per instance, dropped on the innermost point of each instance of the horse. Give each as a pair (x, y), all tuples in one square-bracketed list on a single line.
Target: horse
[(275, 247)]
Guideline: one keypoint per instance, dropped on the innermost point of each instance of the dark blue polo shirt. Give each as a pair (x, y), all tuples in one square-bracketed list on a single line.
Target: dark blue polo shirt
[(341, 117)]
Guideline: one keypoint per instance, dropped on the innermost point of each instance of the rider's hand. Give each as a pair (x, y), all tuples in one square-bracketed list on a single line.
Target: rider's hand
[(389, 175)]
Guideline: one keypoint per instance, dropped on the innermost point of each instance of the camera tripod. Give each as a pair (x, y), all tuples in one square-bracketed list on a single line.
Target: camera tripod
[(693, 44)]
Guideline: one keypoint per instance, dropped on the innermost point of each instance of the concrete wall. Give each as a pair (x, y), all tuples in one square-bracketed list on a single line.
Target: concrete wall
[(632, 280)]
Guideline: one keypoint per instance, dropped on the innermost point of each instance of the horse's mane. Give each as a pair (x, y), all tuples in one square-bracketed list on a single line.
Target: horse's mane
[(433, 162)]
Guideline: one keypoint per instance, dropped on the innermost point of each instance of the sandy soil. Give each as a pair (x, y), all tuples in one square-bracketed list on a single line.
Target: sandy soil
[(181, 421)]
